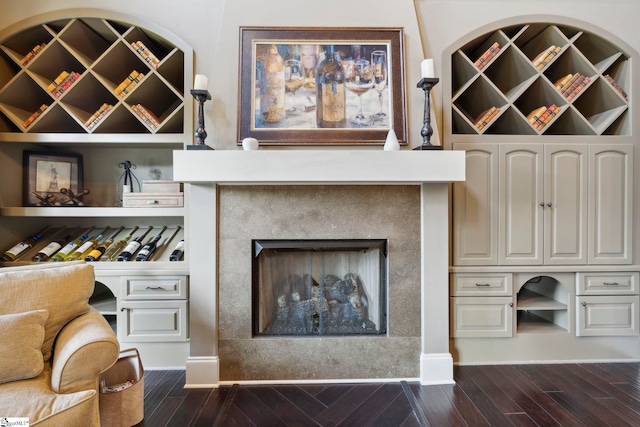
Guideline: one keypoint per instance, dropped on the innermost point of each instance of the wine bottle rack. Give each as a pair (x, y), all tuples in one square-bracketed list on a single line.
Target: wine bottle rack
[(102, 51), (511, 82)]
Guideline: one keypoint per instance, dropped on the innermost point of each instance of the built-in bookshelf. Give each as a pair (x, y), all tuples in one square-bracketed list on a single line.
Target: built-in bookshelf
[(578, 78)]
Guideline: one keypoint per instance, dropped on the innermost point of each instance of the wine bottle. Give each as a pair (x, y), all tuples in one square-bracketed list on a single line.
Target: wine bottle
[(21, 248), (97, 253), (272, 89), (133, 246), (87, 246), (330, 91), (147, 250), (117, 247), (53, 247), (178, 252), (64, 253)]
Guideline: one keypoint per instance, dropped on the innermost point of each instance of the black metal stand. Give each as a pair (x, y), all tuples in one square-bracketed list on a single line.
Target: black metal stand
[(427, 84), (201, 96)]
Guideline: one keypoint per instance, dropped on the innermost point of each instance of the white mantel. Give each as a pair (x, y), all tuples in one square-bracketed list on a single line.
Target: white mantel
[(432, 170)]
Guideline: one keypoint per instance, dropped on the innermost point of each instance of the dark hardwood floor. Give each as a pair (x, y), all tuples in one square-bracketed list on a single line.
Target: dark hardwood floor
[(600, 394)]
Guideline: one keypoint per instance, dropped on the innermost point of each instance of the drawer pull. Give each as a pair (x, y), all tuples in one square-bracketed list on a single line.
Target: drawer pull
[(155, 288), (152, 202), (483, 285), (611, 284)]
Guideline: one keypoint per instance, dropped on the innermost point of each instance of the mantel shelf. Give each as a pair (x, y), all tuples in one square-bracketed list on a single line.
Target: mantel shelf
[(336, 167)]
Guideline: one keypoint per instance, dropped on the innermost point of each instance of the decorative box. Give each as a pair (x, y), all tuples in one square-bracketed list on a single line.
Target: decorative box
[(161, 186), (153, 200)]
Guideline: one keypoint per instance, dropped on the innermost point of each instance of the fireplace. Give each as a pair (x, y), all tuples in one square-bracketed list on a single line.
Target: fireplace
[(319, 287), (238, 196)]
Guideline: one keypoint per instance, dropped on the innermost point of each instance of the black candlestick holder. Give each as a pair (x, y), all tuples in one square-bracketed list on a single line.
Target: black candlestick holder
[(427, 83), (202, 96)]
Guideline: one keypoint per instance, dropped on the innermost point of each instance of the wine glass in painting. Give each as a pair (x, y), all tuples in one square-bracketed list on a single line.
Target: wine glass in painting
[(380, 78), (293, 80), (359, 80)]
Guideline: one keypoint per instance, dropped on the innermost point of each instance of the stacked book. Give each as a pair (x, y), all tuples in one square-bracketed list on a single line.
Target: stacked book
[(615, 85), (147, 116), (571, 84), (62, 83), (98, 115), (29, 56), (542, 115), (129, 83), (34, 116), (485, 117), (487, 55), (546, 56), (146, 54)]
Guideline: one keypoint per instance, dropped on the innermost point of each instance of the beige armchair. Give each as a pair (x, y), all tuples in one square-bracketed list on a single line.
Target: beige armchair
[(53, 345)]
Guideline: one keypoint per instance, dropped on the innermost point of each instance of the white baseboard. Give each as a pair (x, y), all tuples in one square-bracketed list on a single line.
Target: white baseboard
[(202, 372), (436, 368)]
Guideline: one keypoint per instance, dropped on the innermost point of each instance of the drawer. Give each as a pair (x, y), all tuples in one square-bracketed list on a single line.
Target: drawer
[(152, 321), (607, 315), (154, 287), (609, 283), (481, 317), (159, 200), (485, 284)]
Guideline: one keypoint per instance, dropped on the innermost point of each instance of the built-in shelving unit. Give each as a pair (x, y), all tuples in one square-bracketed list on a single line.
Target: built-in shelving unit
[(542, 108), (128, 101)]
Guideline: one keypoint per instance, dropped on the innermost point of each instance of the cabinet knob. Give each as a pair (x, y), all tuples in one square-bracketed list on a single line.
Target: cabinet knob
[(584, 304), (542, 204), (548, 204), (510, 304), (123, 308)]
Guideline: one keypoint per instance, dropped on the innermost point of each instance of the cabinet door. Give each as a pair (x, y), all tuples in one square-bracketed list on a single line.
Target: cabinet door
[(475, 207), (607, 315), (610, 203), (521, 213), (153, 321), (482, 317), (565, 204)]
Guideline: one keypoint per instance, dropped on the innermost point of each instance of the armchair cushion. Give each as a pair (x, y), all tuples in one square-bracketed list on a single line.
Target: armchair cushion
[(21, 335), (63, 290)]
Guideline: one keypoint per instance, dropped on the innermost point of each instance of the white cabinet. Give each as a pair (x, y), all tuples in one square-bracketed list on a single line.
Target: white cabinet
[(610, 203), (475, 201), (543, 204), (153, 309), (607, 304), (481, 305)]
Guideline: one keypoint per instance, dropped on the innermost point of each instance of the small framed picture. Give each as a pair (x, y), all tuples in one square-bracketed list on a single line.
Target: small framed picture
[(47, 176)]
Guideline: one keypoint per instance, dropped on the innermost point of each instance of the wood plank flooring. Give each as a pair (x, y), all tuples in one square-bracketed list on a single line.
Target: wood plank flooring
[(599, 394)]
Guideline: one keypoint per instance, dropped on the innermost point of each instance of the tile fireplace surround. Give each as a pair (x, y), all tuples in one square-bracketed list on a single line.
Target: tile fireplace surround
[(232, 191)]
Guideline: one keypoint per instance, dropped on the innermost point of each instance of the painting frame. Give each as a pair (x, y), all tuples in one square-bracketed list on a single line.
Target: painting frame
[(249, 125), (47, 173)]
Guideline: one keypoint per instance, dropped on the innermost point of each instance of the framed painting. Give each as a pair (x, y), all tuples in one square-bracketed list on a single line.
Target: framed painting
[(47, 176), (321, 86)]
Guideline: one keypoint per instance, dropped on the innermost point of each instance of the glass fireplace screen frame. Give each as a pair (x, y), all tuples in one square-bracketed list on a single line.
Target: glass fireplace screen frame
[(321, 287)]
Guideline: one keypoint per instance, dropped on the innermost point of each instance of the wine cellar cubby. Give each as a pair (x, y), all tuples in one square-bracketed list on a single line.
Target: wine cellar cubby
[(103, 53), (510, 81)]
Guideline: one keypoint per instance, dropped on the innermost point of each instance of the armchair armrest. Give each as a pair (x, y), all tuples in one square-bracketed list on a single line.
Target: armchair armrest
[(84, 348)]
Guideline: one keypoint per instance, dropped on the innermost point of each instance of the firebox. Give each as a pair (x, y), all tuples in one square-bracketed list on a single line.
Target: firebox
[(319, 287)]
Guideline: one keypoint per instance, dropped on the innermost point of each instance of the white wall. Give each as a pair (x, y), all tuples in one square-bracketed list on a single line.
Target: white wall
[(211, 28)]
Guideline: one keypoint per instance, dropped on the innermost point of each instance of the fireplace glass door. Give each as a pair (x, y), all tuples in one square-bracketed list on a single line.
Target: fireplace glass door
[(319, 287)]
